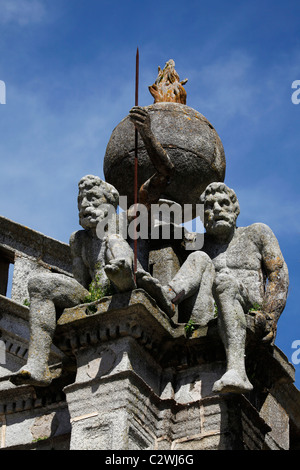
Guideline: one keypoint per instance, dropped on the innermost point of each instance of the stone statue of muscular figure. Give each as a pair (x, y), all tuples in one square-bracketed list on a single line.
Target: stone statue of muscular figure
[(250, 270), (51, 292)]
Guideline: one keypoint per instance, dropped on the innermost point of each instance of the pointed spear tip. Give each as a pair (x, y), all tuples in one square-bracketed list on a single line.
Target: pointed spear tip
[(137, 64)]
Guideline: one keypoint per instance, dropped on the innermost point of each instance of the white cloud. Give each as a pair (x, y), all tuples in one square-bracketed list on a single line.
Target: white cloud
[(22, 12)]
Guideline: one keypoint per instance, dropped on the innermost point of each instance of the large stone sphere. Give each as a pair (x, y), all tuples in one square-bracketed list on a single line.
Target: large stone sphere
[(191, 142)]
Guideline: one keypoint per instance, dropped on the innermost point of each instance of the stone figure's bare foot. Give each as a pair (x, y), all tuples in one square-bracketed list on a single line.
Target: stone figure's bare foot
[(25, 376), (120, 272), (232, 382), (161, 294)]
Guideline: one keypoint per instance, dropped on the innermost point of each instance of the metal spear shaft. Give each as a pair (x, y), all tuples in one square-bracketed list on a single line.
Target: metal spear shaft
[(136, 162)]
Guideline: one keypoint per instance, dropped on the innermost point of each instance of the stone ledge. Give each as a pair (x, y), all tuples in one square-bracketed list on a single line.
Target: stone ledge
[(61, 442), (126, 302), (15, 237), (138, 297), (136, 314), (133, 314), (14, 308), (17, 398)]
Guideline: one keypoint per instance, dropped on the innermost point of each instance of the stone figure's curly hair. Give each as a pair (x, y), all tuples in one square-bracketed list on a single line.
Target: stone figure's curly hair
[(101, 188), (218, 187)]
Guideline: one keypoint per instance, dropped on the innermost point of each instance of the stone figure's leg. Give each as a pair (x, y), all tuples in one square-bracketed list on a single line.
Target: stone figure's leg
[(119, 262), (230, 298), (47, 291), (193, 285), (185, 284), (198, 306)]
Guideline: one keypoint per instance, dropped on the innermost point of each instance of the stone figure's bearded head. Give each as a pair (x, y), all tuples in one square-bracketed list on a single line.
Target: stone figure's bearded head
[(94, 198), (221, 209)]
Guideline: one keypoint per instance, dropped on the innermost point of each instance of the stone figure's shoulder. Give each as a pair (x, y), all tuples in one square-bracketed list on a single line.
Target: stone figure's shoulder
[(77, 239), (259, 232)]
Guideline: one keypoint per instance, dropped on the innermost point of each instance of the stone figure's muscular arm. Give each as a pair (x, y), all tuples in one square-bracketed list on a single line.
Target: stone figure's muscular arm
[(276, 288), (80, 270), (151, 190), (158, 156)]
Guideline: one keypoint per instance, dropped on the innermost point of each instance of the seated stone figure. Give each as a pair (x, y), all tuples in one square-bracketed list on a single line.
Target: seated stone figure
[(50, 292), (250, 271)]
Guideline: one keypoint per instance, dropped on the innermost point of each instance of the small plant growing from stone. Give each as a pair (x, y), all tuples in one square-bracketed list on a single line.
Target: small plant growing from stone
[(255, 307), (96, 292), (215, 310), (38, 439), (189, 328)]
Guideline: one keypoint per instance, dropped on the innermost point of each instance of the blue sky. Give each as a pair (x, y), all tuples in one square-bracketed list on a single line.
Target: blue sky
[(69, 67)]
